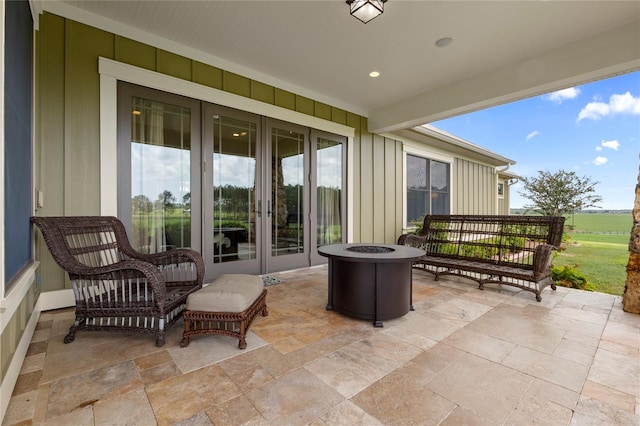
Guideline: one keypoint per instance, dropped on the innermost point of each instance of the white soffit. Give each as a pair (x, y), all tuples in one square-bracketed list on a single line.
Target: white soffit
[(501, 51)]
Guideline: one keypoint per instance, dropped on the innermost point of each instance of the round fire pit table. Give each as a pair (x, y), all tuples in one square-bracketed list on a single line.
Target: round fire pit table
[(370, 281)]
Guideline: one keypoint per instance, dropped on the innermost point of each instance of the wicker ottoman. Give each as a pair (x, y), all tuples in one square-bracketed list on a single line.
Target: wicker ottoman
[(226, 306)]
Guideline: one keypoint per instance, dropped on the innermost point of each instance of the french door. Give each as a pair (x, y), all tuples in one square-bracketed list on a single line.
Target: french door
[(252, 194), (256, 193)]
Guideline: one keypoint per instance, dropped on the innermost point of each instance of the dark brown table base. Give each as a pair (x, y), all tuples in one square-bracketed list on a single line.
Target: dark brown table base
[(369, 285)]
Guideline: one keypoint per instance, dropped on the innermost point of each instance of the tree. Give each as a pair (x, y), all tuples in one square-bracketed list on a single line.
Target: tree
[(166, 200), (560, 193), (141, 204)]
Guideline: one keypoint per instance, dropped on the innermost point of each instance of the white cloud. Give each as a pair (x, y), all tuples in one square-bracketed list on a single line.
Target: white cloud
[(598, 148), (532, 135), (618, 104), (561, 95), (614, 144), (599, 161)]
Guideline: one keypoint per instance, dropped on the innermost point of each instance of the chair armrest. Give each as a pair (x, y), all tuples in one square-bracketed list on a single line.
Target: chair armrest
[(174, 257), (542, 259)]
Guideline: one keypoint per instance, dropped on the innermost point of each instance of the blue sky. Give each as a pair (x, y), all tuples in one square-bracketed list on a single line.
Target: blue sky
[(593, 129)]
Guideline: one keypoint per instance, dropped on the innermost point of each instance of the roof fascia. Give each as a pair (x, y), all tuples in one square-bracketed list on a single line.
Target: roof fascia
[(435, 137)]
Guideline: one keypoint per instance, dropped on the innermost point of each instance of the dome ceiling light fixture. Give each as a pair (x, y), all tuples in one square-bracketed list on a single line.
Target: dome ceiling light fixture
[(366, 10)]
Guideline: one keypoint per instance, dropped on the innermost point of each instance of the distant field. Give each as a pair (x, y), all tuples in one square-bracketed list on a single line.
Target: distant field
[(597, 222), (599, 246)]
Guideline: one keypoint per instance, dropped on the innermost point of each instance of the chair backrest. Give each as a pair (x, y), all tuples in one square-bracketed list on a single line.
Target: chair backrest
[(80, 241)]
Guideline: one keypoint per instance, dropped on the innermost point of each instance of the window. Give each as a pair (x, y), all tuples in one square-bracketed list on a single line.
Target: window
[(428, 187), (18, 97), (501, 190)]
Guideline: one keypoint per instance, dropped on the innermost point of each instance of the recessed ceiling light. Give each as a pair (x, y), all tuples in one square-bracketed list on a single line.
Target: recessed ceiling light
[(444, 41), (374, 74)]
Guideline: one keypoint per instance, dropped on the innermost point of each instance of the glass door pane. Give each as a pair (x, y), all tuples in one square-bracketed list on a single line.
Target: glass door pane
[(160, 175), (232, 235), (328, 195), (288, 199), (329, 192)]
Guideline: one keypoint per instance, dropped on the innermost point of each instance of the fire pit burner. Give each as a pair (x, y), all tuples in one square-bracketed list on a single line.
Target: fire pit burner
[(370, 249)]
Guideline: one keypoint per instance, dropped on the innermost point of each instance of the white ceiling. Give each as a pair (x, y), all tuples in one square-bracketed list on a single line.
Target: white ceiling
[(501, 51)]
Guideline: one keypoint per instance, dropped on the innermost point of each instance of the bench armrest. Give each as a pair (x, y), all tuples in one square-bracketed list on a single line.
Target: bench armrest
[(542, 259), (413, 240)]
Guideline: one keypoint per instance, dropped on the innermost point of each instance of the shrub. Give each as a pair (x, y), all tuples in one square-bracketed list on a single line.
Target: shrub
[(569, 276)]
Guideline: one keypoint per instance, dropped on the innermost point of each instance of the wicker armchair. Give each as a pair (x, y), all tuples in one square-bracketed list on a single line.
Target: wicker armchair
[(115, 287)]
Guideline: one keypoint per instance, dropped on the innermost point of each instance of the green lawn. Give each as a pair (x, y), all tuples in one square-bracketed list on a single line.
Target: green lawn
[(599, 246)]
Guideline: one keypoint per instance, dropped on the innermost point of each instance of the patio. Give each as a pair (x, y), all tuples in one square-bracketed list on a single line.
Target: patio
[(464, 356)]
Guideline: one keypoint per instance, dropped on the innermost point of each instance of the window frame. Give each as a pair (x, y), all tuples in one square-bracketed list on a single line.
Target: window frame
[(429, 156)]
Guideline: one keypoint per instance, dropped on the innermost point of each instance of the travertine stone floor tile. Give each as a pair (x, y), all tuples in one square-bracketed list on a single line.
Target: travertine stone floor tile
[(622, 317), (592, 412), (618, 399), (618, 348), (33, 363), (207, 350), (544, 404), (288, 344), (458, 308), (590, 330), (582, 315), (533, 335), (179, 398), (432, 325), (373, 358), (41, 335), (42, 402), (27, 382), (80, 417), (236, 411), (252, 378), (116, 351), (296, 398), (337, 374), (152, 360), (406, 335), (200, 419), (566, 373), (585, 298), (348, 414), (70, 363), (21, 408), (619, 372), (72, 393), (132, 408), (471, 382), (44, 324), (461, 416), (395, 401), (480, 344), (574, 351), (36, 348), (622, 334), (159, 373)]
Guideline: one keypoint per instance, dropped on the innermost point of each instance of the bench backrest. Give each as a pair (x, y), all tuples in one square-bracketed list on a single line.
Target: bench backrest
[(497, 239)]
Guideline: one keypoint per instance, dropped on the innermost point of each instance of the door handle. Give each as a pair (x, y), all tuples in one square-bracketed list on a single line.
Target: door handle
[(259, 211), (268, 208)]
